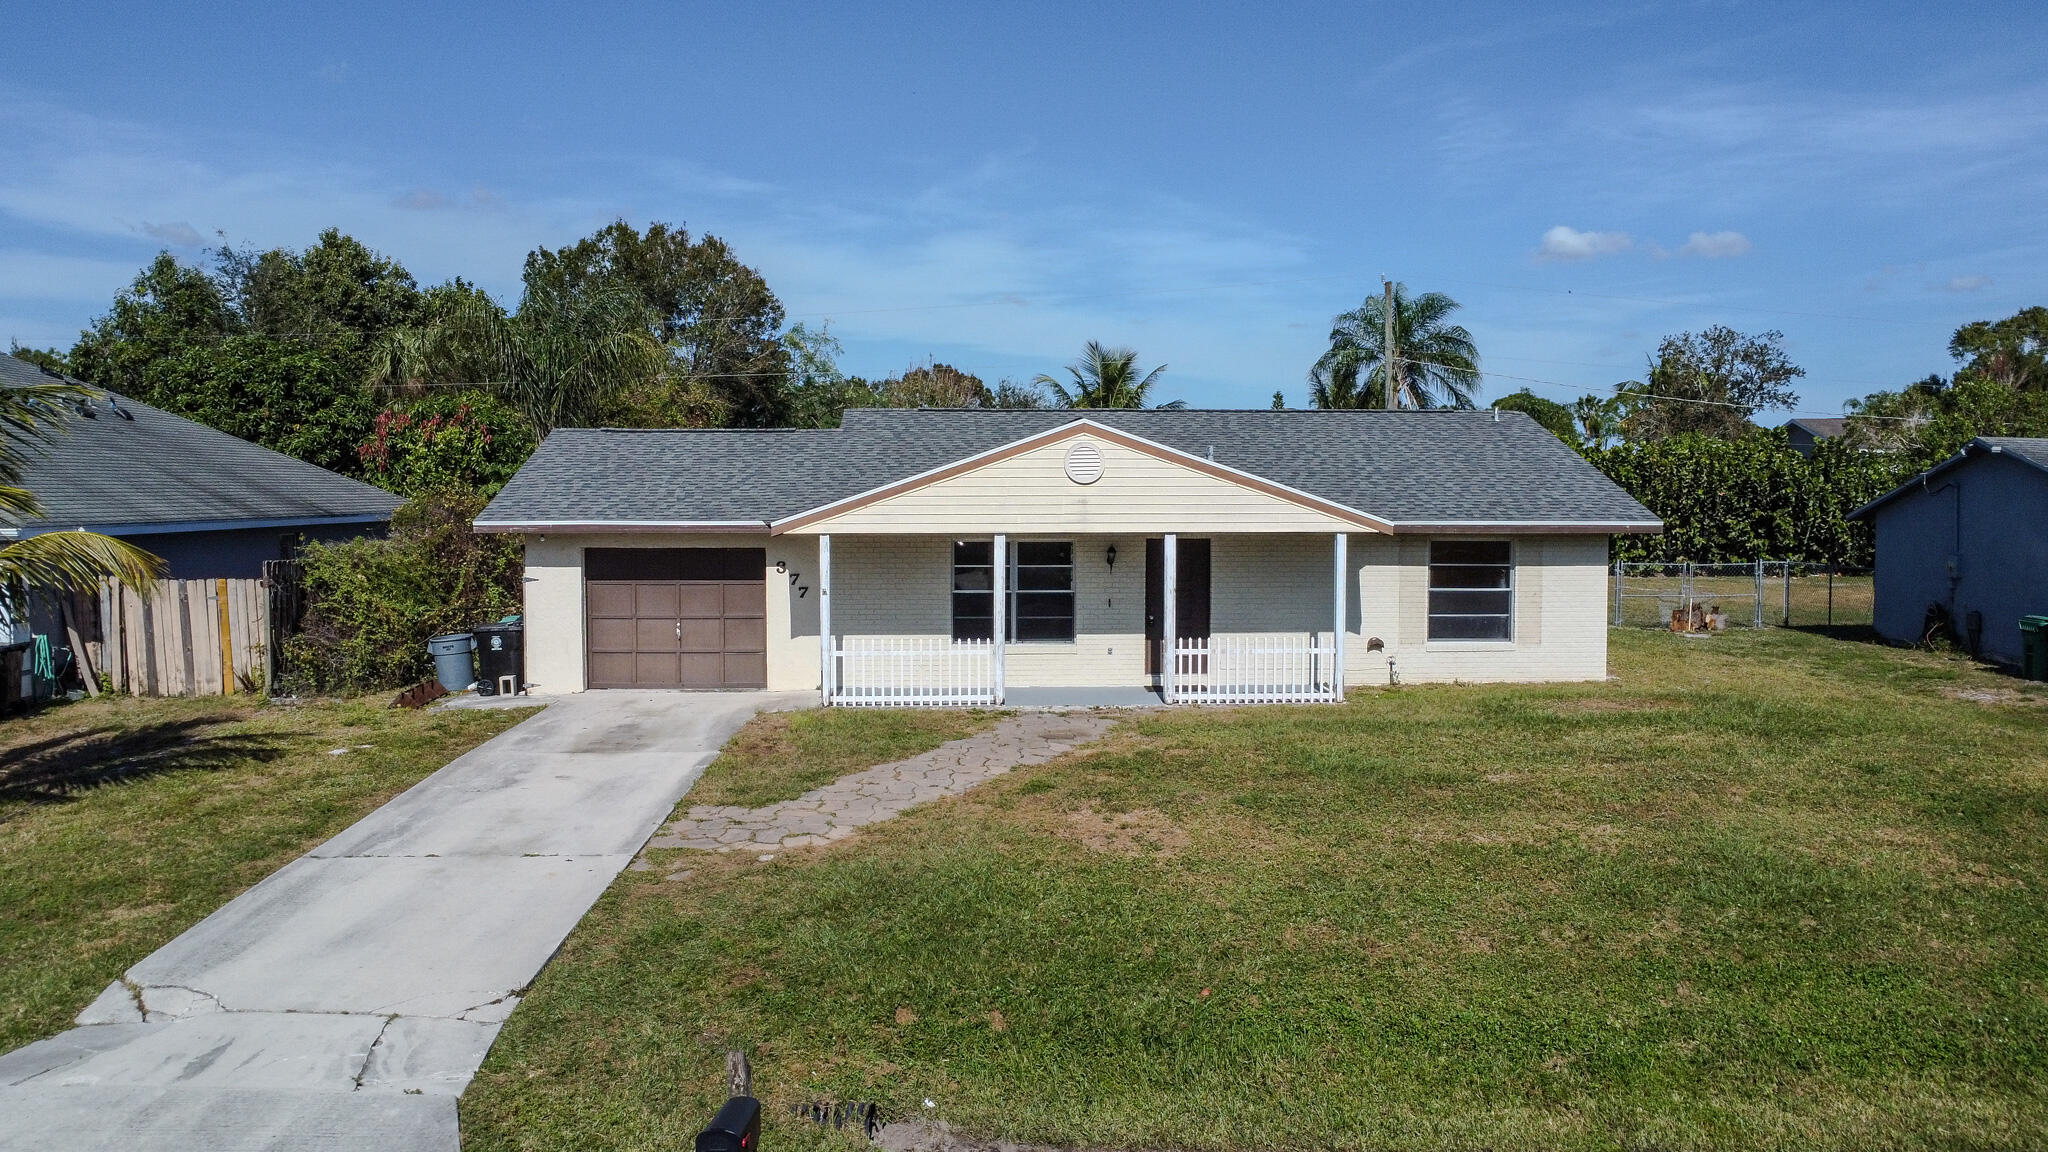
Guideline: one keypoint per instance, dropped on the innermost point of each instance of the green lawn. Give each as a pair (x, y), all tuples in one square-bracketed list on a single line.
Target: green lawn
[(124, 821), (782, 755), (1766, 890)]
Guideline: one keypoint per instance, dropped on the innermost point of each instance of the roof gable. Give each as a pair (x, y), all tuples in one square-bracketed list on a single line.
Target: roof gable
[(2031, 451), (1027, 485)]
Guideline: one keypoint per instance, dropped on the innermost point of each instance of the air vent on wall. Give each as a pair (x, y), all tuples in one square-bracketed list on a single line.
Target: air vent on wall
[(1084, 462)]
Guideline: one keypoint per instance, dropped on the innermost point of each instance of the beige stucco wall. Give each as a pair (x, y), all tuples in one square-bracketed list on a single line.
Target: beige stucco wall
[(1029, 493), (901, 586)]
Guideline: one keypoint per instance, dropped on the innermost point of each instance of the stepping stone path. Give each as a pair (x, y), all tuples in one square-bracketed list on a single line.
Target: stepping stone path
[(837, 810)]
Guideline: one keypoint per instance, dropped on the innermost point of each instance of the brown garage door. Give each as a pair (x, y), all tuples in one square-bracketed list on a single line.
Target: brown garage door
[(676, 617)]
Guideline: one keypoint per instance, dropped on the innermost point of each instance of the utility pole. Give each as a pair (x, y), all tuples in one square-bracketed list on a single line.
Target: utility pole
[(1392, 354)]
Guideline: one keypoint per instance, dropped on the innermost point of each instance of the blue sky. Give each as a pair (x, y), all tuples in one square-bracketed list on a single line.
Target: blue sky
[(992, 186)]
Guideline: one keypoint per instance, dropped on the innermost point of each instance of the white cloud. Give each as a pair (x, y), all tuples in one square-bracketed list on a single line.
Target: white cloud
[(1715, 245), (1967, 284), (177, 234), (1563, 243)]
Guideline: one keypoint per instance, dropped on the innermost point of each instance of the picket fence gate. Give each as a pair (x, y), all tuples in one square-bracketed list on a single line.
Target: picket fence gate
[(1254, 669)]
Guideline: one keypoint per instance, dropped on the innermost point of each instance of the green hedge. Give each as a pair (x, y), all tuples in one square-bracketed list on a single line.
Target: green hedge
[(1750, 497)]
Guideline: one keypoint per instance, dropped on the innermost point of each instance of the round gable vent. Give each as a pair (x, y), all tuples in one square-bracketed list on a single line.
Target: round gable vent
[(1084, 462)]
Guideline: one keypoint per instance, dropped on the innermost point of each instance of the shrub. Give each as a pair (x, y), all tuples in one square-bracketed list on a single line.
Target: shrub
[(372, 604)]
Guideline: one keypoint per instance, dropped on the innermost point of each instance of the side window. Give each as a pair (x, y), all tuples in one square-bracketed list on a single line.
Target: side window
[(1471, 590)]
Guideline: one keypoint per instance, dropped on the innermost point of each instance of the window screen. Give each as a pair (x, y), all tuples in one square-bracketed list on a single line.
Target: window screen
[(1471, 590), (1040, 590)]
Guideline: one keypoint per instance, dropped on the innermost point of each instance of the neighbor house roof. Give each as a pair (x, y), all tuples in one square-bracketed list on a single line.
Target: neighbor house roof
[(2031, 451), (1821, 427), (1406, 470), (124, 467)]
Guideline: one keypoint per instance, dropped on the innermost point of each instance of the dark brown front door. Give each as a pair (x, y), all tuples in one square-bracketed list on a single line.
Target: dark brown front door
[(1190, 600), (676, 617)]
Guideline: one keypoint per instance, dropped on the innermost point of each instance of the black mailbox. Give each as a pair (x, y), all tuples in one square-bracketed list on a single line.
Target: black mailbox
[(736, 1128)]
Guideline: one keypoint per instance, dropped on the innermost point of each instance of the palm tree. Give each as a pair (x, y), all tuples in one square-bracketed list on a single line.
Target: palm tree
[(1106, 378), (561, 360), (30, 415), (1436, 363)]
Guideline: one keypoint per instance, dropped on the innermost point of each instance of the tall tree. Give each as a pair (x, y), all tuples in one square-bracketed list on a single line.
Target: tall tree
[(1438, 362), (269, 346), (565, 359), (2012, 352), (1710, 383), (1555, 417), (1106, 378), (1598, 420), (169, 308), (31, 416), (713, 315)]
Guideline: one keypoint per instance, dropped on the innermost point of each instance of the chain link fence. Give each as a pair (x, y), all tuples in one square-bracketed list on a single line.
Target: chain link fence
[(1756, 594)]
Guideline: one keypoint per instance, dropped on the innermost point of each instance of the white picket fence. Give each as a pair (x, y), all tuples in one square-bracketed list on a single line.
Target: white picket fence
[(907, 671), (1269, 668)]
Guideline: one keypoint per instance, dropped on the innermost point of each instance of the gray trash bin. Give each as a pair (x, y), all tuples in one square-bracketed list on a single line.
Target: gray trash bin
[(454, 656)]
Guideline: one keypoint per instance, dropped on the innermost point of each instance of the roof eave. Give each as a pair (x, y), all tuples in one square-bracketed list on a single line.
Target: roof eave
[(536, 527), (1532, 527), (164, 527)]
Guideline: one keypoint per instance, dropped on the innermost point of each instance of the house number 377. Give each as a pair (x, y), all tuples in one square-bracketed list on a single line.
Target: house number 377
[(802, 590)]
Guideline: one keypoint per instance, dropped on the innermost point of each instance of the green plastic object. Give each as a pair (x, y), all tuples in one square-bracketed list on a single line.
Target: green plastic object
[(2034, 647)]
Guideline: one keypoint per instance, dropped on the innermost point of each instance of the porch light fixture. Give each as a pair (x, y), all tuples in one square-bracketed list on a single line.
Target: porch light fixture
[(1109, 557)]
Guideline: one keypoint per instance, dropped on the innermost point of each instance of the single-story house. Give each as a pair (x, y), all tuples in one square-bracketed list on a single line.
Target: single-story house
[(1966, 541), (1807, 431), (971, 555), (212, 505)]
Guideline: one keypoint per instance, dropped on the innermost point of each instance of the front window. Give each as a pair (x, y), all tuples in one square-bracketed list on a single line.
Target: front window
[(1039, 591), (1471, 590), (974, 590)]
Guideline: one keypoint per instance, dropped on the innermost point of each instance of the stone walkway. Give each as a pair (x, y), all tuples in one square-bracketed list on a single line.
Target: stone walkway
[(837, 810)]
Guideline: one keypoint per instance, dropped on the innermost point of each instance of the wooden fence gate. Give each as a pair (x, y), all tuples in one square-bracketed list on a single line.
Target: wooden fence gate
[(186, 638)]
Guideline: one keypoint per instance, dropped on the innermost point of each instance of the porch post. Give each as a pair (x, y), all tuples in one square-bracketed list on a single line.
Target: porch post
[(1169, 628), (1341, 595), (999, 553), (825, 618)]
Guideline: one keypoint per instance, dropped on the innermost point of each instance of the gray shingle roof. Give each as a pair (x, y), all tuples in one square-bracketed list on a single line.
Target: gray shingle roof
[(1407, 467), (159, 469)]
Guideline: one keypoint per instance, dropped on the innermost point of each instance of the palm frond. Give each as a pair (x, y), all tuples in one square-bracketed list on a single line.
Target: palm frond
[(77, 562)]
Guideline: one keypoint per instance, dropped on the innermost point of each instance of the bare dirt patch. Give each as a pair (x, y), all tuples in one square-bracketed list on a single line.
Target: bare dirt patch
[(1140, 832), (1996, 695)]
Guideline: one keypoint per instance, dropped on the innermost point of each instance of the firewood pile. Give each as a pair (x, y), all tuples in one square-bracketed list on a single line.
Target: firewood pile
[(1699, 618)]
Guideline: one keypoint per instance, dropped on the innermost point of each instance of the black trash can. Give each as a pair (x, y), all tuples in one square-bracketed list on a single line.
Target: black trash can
[(500, 652)]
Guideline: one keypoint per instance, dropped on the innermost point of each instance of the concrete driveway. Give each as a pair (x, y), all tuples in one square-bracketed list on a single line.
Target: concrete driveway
[(346, 1000)]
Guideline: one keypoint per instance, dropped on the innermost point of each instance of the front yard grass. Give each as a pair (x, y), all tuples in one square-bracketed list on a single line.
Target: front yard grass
[(1768, 890), (124, 821)]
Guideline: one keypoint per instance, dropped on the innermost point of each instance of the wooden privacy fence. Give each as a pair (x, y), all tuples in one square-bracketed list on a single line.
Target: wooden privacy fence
[(186, 638)]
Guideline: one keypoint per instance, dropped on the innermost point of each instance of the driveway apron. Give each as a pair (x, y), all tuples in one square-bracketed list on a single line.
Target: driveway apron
[(346, 1000)]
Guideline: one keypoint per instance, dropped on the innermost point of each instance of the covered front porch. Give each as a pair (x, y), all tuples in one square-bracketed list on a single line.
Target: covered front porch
[(1037, 620)]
